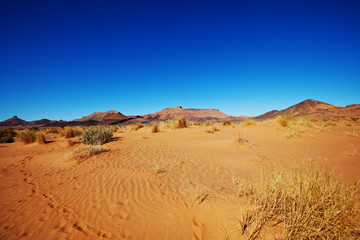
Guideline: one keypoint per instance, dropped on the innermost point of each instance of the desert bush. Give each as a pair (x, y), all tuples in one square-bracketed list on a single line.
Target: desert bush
[(70, 132), (27, 136), (155, 128), (285, 120), (248, 122), (226, 123), (97, 135), (136, 126), (6, 135), (52, 130), (40, 138), (211, 129), (181, 122), (311, 203), (82, 153), (6, 139)]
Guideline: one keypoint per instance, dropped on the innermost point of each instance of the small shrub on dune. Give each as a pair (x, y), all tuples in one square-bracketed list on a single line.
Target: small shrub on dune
[(52, 130), (181, 122), (27, 136), (211, 129), (82, 153), (155, 128), (6, 139), (40, 138), (226, 123), (6, 135), (249, 122), (136, 127), (285, 120), (97, 135), (70, 132)]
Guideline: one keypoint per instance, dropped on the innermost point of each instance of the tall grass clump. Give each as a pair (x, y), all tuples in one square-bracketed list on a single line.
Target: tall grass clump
[(70, 132), (80, 154), (97, 135), (248, 122), (310, 203), (226, 123), (27, 136), (40, 138), (181, 122), (285, 120), (136, 127), (155, 128), (6, 135)]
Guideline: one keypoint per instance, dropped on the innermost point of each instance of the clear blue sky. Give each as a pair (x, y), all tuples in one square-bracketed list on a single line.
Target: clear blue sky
[(66, 59)]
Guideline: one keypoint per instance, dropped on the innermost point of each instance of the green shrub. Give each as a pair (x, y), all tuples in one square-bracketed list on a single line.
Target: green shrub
[(97, 135)]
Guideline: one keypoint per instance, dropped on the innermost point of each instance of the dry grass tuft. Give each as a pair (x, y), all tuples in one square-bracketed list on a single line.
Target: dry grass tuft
[(27, 136), (181, 122), (248, 122), (211, 129), (155, 128), (352, 133), (6, 135), (285, 120), (40, 138), (80, 154), (310, 203), (72, 141), (70, 132), (52, 130), (226, 123), (136, 127)]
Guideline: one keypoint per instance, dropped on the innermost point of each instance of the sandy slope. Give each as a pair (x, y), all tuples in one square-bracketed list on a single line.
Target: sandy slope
[(175, 184)]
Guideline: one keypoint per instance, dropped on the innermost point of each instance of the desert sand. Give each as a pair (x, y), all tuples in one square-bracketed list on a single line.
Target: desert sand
[(173, 184)]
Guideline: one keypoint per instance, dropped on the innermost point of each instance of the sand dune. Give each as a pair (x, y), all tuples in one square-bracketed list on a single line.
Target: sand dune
[(175, 184)]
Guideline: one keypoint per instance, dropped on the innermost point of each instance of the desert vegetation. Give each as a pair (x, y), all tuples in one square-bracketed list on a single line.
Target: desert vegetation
[(70, 132), (136, 126), (155, 128), (181, 122), (97, 135), (82, 153), (7, 135), (211, 129), (248, 122), (308, 203)]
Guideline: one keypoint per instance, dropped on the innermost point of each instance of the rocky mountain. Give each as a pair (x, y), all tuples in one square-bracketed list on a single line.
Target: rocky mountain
[(315, 109), (13, 122), (191, 114), (107, 117)]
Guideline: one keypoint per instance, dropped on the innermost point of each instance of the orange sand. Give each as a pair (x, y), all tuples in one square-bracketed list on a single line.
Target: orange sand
[(175, 184)]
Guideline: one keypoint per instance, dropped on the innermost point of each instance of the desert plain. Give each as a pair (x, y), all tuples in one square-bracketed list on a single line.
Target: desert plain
[(168, 184)]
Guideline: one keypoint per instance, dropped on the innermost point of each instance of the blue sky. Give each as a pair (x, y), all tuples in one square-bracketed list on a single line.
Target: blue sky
[(66, 59)]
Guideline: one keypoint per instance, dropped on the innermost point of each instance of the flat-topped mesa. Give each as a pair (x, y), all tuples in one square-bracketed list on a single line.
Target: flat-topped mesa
[(192, 114)]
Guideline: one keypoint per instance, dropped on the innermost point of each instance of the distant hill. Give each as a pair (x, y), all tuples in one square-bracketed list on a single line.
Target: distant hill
[(191, 114), (13, 122), (104, 117), (315, 109)]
